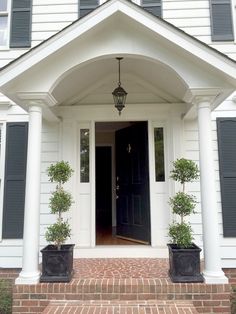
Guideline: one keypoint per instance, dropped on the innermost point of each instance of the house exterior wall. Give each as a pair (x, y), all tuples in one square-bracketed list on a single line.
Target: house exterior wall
[(191, 149), (11, 250), (49, 17)]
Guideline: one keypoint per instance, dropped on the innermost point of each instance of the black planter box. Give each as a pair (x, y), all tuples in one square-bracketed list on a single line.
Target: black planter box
[(57, 265), (184, 264)]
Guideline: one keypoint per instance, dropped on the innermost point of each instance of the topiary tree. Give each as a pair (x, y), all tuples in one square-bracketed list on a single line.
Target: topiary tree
[(60, 202), (182, 204)]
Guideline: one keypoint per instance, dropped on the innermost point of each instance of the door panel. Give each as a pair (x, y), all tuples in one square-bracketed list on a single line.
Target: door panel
[(133, 209)]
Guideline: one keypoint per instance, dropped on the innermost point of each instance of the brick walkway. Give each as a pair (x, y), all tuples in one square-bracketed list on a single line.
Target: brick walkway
[(121, 268)]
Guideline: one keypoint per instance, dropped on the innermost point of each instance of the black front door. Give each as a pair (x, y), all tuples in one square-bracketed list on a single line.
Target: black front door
[(132, 178)]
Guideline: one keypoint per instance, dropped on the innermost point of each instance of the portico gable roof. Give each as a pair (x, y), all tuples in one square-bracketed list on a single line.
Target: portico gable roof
[(15, 77)]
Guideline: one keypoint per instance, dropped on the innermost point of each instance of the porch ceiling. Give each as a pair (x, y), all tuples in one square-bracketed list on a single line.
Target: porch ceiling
[(145, 82)]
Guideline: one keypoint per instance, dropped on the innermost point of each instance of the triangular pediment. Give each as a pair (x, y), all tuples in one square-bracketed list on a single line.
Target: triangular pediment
[(169, 60)]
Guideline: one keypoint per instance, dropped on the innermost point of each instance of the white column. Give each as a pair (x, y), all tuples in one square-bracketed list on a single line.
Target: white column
[(30, 271), (212, 272)]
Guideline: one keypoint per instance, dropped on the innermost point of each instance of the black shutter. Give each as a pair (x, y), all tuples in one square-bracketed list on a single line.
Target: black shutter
[(221, 20), (86, 6), (226, 130), (14, 184), (153, 6), (21, 19)]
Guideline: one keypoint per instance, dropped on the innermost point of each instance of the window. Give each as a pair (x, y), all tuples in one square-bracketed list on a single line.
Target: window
[(226, 131), (4, 19), (152, 6), (221, 20), (159, 154), (84, 155)]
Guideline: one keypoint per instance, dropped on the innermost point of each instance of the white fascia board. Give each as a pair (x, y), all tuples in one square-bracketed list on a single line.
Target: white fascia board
[(161, 28)]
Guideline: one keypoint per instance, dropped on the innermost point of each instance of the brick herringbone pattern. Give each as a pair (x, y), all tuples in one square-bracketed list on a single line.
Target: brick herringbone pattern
[(121, 268)]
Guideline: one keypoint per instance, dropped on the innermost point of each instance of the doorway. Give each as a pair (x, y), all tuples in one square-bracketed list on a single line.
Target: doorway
[(122, 184)]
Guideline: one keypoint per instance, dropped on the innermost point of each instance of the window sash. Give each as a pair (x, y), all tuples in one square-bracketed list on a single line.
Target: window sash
[(159, 151)]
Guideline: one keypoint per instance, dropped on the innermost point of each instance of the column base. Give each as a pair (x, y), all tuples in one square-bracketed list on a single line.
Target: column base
[(211, 277), (26, 278)]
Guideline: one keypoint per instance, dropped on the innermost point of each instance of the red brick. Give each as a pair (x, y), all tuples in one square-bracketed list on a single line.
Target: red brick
[(29, 303)]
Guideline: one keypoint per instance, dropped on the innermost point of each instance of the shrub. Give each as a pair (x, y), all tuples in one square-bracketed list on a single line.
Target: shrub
[(182, 204), (5, 297), (60, 202)]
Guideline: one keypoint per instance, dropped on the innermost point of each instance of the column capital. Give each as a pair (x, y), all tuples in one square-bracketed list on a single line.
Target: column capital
[(203, 101), (198, 96), (35, 108), (30, 101), (37, 99)]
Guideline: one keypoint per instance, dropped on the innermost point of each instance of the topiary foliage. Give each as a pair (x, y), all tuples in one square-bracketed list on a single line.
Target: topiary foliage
[(181, 234), (60, 172), (58, 233), (184, 170), (60, 202), (183, 204)]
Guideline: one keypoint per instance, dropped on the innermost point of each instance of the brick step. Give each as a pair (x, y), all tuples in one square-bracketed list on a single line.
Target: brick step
[(206, 298), (119, 307)]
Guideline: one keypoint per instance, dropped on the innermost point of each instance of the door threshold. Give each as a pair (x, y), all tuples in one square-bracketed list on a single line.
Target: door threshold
[(132, 240)]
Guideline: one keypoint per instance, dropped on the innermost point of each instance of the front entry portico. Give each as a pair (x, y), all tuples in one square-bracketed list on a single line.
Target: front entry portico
[(171, 80)]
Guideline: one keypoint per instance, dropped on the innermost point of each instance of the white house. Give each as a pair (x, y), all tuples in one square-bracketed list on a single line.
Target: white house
[(57, 78)]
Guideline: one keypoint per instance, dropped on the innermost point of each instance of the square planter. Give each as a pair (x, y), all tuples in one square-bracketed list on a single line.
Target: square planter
[(184, 264), (57, 265)]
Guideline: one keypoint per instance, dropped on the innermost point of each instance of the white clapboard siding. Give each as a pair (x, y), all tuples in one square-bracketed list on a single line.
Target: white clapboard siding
[(191, 151), (49, 155), (185, 5)]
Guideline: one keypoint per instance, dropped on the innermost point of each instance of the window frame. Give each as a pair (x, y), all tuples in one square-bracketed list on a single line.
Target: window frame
[(164, 126), (156, 153), (8, 14)]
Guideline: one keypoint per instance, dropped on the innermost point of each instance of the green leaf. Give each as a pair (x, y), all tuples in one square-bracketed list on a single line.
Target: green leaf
[(58, 233), (184, 170), (60, 172), (181, 234), (60, 201), (183, 204)]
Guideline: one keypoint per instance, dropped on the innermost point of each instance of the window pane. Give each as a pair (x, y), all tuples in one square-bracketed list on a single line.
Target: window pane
[(159, 154), (84, 155), (3, 30), (3, 5)]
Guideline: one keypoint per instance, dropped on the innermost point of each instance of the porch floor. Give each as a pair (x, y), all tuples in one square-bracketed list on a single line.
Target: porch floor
[(118, 268)]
